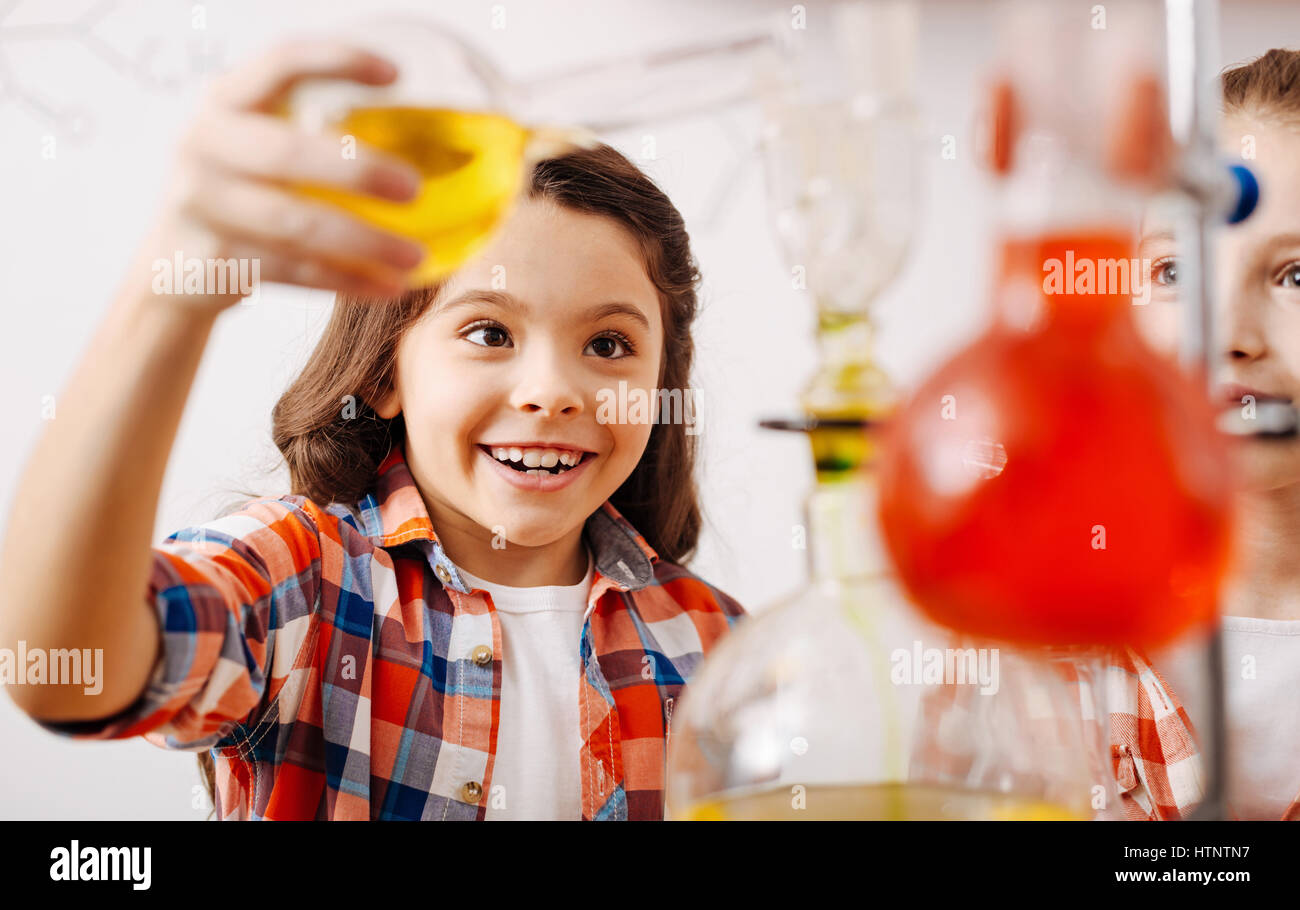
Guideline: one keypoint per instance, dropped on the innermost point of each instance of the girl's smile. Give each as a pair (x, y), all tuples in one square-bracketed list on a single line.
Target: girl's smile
[(526, 468)]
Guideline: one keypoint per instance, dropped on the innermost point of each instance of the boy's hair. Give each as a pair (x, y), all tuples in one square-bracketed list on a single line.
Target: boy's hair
[(333, 451), (1268, 85)]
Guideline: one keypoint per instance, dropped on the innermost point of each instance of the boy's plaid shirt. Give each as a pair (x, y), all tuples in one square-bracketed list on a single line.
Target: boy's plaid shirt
[(338, 667)]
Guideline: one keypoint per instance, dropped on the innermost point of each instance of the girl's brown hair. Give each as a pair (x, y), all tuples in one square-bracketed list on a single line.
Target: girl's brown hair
[(1268, 85), (334, 450)]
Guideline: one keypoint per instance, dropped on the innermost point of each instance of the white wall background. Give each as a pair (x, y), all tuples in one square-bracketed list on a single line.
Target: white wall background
[(69, 224)]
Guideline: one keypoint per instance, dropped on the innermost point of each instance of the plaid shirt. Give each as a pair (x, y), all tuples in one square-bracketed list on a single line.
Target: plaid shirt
[(338, 667), (1153, 745), (1154, 762)]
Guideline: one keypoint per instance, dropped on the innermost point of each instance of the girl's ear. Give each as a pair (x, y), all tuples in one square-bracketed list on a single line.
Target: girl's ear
[(389, 404)]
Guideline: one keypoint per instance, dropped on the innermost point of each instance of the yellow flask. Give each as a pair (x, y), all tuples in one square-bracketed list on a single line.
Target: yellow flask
[(472, 165)]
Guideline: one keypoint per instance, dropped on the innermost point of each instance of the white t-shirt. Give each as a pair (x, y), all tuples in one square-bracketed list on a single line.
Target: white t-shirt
[(1261, 692), (538, 740)]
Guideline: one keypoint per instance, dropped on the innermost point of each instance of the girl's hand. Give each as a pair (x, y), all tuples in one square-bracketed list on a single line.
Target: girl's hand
[(230, 196)]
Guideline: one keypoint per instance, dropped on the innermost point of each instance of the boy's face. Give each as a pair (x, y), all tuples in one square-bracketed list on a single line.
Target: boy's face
[(1257, 293), (516, 350)]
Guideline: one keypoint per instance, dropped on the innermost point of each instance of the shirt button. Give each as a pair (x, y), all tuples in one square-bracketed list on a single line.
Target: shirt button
[(471, 792), (443, 574), (482, 655)]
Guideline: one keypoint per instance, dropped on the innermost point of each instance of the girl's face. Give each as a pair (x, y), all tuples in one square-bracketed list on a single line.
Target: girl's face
[(524, 346), (1257, 293)]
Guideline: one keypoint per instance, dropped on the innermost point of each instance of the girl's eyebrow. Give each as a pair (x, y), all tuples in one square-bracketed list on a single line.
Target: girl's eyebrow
[(1155, 237), (509, 302), (1281, 241)]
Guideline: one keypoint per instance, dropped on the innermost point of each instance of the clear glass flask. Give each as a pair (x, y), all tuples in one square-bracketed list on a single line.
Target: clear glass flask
[(843, 702), (475, 135)]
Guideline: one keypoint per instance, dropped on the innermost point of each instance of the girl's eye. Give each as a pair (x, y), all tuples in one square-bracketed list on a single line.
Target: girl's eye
[(491, 331), (607, 345), (612, 340), (1291, 275), (1165, 271)]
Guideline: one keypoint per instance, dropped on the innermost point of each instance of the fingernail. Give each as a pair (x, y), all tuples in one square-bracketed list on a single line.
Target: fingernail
[(399, 184), (387, 290), (383, 68), (407, 255)]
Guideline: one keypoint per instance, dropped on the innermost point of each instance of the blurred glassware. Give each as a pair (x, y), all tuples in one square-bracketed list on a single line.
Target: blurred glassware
[(1057, 480), (475, 135), (842, 701), (842, 165)]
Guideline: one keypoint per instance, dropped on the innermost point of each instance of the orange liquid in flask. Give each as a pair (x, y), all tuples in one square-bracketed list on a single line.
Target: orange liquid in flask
[(1063, 484)]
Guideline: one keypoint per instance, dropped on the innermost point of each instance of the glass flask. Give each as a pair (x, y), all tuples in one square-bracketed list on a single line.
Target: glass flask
[(475, 135), (843, 702), (1060, 441), (1058, 480)]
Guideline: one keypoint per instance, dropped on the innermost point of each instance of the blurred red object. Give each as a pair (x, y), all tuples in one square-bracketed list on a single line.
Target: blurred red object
[(1057, 481)]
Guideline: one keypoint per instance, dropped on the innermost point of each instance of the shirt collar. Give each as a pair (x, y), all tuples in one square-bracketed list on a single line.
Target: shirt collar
[(393, 513)]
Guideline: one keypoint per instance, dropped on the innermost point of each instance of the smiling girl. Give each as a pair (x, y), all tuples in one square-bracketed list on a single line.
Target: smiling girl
[(472, 605)]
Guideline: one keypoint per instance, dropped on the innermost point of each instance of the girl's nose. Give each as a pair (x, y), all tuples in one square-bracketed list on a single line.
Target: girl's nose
[(547, 386), (1242, 335), (1240, 302)]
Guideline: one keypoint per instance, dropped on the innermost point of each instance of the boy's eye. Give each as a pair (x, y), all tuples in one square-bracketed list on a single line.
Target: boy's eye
[(1291, 275)]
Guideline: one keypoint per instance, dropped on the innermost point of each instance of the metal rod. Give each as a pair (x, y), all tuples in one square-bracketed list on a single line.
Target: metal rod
[(1192, 36)]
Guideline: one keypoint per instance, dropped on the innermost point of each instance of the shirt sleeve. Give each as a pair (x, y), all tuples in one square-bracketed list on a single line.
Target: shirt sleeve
[(236, 598)]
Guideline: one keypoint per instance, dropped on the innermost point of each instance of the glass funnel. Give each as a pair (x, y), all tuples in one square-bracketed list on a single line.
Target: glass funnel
[(840, 151)]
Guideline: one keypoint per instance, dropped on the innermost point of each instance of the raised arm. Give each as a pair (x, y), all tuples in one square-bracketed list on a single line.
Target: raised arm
[(76, 556)]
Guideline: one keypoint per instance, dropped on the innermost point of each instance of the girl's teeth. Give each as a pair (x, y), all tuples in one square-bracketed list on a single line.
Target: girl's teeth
[(537, 458)]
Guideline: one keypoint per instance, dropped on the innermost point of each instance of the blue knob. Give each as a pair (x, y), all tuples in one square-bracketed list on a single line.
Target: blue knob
[(1247, 192)]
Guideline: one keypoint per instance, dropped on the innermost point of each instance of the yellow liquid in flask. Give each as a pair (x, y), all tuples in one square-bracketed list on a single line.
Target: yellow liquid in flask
[(876, 802), (472, 166)]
